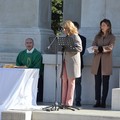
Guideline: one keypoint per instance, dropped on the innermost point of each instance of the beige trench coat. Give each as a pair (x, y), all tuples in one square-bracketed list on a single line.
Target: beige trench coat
[(106, 57), (72, 59)]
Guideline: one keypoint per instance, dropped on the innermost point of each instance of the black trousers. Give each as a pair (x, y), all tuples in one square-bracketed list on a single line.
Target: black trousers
[(101, 82), (78, 89), (40, 89)]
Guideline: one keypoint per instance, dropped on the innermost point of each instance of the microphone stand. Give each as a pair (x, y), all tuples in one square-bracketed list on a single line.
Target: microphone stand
[(67, 44), (64, 44), (55, 106), (52, 42)]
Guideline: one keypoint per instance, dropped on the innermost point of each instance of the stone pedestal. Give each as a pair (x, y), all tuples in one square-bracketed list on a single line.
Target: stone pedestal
[(115, 104), (16, 115), (119, 78), (51, 75), (115, 99)]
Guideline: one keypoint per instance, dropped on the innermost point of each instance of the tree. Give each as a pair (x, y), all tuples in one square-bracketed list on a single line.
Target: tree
[(57, 15)]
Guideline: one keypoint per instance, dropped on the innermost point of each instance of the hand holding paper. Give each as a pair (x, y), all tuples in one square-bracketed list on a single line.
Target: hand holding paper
[(90, 49)]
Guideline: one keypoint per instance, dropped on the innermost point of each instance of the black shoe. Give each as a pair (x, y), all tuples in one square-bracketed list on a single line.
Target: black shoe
[(61, 106), (97, 104), (78, 103), (103, 105)]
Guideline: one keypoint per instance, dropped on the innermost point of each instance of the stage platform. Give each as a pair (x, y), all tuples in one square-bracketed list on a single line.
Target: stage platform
[(86, 112)]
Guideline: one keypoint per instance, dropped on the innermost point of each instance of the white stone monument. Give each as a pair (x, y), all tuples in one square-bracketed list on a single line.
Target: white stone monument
[(20, 19)]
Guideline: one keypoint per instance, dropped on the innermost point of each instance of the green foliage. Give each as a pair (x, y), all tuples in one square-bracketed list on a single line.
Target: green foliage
[(57, 15)]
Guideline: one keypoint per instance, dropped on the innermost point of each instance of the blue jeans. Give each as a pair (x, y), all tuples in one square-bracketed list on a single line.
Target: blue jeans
[(78, 89)]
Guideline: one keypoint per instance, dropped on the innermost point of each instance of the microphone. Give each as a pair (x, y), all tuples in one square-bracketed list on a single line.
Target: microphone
[(48, 47), (60, 29)]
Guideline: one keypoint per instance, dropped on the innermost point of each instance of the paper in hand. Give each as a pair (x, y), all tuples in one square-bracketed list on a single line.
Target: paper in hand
[(90, 49)]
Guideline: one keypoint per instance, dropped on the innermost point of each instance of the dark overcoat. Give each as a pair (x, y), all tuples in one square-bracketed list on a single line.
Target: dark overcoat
[(105, 57)]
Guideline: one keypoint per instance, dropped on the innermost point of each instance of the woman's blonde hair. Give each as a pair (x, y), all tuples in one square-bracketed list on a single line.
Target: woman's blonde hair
[(70, 27)]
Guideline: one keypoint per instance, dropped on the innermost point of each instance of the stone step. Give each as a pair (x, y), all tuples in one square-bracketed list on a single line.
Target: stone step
[(85, 113), (16, 115)]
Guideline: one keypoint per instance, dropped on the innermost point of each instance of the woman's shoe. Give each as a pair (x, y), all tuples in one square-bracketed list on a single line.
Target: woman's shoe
[(78, 104), (97, 104), (62, 106), (103, 105)]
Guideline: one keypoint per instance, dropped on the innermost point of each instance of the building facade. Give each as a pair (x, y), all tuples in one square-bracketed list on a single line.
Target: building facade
[(89, 13), (20, 19)]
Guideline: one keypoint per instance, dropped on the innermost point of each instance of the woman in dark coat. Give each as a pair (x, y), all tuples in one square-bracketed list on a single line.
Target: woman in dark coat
[(102, 62)]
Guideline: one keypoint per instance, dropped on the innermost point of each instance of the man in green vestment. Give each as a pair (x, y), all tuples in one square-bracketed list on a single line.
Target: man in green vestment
[(32, 58)]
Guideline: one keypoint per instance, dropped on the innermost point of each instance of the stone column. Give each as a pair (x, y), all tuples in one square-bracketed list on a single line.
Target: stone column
[(52, 81), (72, 10), (20, 19)]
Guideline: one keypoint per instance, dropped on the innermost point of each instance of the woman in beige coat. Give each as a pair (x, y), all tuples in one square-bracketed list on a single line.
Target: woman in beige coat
[(71, 64), (102, 62)]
